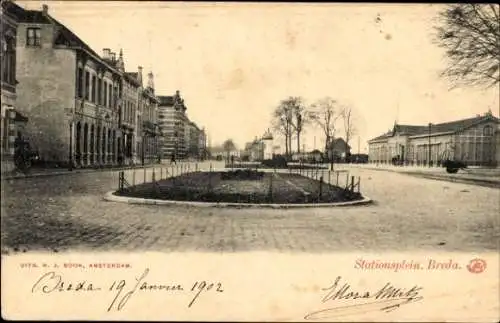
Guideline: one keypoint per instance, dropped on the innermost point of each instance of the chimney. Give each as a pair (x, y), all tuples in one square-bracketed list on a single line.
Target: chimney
[(113, 57), (139, 74), (177, 93), (151, 83), (106, 53), (45, 9)]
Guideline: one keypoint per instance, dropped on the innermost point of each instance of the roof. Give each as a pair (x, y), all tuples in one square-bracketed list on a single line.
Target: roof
[(339, 143), (132, 77), (166, 100), (71, 38), (64, 37), (452, 126), (23, 15)]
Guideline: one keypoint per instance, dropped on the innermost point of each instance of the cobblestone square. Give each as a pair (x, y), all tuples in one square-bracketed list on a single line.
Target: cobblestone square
[(409, 213)]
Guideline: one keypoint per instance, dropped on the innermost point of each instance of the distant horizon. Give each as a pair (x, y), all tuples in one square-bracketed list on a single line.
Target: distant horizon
[(233, 63)]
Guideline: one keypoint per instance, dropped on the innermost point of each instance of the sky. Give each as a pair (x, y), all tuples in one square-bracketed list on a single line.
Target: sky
[(234, 62)]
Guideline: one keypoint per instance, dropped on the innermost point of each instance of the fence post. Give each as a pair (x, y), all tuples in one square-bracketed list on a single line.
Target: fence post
[(153, 176), (337, 183), (329, 177), (270, 194), (133, 177), (120, 181), (347, 181), (352, 184), (359, 183), (144, 175), (172, 171)]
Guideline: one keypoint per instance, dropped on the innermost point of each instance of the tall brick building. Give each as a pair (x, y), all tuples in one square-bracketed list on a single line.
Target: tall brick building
[(82, 107), (172, 121)]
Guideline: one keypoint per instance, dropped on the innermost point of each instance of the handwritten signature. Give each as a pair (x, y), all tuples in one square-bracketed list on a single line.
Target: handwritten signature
[(51, 282), (387, 298)]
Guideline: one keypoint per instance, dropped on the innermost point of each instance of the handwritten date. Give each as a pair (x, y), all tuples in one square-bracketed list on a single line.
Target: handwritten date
[(121, 289)]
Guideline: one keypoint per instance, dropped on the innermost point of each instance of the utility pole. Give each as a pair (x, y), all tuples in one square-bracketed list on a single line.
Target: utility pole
[(430, 124)]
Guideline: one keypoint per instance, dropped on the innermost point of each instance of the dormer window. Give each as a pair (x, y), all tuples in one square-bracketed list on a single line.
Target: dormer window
[(33, 37)]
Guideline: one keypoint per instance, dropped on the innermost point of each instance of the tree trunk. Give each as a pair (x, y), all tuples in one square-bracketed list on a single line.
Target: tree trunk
[(286, 145), (298, 142)]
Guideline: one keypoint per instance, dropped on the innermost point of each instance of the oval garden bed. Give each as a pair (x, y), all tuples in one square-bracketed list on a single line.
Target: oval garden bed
[(242, 186)]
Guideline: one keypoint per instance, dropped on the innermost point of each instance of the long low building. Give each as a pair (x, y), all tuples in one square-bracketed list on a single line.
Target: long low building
[(475, 141)]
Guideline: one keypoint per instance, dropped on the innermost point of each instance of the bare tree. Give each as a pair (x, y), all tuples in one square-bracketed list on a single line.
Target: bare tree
[(325, 113), (470, 34), (349, 128), (300, 117), (282, 121)]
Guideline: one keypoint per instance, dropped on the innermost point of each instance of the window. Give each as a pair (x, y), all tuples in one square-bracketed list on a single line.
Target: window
[(105, 96), (99, 91), (488, 131), (94, 89), (110, 95), (79, 82), (9, 60), (87, 85), (33, 37)]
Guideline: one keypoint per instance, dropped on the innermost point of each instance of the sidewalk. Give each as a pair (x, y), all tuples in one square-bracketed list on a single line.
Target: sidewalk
[(41, 172), (472, 175)]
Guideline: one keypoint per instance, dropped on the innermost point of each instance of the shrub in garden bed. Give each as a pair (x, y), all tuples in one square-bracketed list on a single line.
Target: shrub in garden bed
[(242, 174), (276, 162)]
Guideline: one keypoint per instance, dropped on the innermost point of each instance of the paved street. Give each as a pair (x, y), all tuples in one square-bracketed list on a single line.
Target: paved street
[(68, 212)]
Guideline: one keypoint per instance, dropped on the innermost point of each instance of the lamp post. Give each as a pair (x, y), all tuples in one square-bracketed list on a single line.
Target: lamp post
[(430, 125)]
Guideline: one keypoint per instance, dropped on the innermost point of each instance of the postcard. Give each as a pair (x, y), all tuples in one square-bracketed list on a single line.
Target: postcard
[(223, 161)]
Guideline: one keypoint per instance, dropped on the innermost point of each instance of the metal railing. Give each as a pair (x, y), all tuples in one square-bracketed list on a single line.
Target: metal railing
[(323, 179)]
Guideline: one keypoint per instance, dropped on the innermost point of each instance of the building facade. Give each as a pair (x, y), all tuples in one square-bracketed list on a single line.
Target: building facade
[(149, 139), (8, 79), (473, 140), (202, 144), (172, 124), (82, 106), (193, 150), (61, 90)]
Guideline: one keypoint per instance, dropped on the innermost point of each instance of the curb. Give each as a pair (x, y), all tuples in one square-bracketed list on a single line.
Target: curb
[(75, 171), (462, 180), (444, 178), (110, 197)]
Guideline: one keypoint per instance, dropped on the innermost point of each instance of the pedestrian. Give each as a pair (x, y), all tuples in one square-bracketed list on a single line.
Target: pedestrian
[(20, 154), (172, 159)]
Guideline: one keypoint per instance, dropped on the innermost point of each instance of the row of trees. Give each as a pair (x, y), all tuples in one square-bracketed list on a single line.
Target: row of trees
[(292, 116)]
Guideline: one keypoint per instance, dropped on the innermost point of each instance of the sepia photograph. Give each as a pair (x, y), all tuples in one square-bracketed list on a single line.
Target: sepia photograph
[(213, 161)]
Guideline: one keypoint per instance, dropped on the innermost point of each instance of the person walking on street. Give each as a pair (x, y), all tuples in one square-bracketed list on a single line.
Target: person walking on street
[(172, 159)]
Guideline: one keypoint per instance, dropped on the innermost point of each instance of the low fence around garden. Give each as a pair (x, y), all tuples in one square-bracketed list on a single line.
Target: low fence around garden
[(323, 179)]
